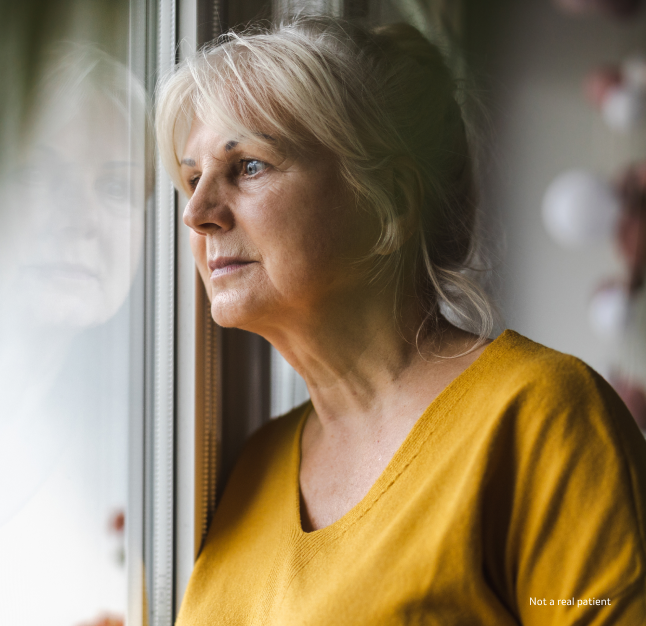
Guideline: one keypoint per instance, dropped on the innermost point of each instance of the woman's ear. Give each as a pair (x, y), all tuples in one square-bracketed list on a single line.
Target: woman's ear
[(407, 193)]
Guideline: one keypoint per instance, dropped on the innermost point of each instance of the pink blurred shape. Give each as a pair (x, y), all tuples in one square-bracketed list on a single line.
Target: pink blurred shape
[(634, 398), (631, 231), (600, 82)]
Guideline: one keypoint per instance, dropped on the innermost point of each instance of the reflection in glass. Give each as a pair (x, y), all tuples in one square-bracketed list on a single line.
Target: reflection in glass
[(71, 236)]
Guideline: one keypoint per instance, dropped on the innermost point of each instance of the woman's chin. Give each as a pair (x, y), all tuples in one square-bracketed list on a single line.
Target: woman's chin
[(229, 310)]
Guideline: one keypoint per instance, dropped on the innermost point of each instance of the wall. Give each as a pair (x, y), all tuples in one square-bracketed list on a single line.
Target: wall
[(532, 60)]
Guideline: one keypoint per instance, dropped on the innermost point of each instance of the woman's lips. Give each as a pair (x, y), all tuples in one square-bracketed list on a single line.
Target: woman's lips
[(226, 265), (67, 271)]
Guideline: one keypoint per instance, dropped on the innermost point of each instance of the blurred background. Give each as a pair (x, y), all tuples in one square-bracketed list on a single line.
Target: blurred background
[(122, 406), (564, 85)]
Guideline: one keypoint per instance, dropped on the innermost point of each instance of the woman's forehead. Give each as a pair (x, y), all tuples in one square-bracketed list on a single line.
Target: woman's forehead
[(204, 139)]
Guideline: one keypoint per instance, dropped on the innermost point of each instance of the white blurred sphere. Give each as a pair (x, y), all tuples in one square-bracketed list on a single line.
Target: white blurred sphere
[(624, 107), (608, 311), (580, 208)]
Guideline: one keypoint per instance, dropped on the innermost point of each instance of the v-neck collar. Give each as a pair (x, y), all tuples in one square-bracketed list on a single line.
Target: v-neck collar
[(404, 455)]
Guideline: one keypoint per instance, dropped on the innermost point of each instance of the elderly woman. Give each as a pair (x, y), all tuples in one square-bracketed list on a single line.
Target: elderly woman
[(435, 477)]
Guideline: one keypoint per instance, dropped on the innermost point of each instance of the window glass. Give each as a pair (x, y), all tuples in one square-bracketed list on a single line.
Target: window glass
[(288, 389), (72, 198)]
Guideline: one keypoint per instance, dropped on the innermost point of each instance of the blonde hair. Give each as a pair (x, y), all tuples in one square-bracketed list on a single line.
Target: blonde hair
[(384, 102)]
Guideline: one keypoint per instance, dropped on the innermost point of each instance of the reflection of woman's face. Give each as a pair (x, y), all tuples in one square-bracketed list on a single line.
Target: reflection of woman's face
[(273, 237), (77, 198)]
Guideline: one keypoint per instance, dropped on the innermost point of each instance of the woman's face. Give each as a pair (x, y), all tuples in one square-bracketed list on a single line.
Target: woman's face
[(274, 236)]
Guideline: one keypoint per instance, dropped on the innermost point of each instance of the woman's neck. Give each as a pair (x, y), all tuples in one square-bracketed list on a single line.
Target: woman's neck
[(357, 360)]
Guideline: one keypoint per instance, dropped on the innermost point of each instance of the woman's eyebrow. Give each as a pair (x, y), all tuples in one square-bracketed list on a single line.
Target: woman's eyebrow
[(233, 143), (230, 145)]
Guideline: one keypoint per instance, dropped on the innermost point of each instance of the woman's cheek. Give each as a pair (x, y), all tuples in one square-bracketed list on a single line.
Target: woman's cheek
[(198, 247)]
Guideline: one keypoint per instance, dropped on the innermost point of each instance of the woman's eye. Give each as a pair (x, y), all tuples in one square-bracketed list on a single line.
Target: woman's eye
[(113, 188), (192, 182), (253, 167)]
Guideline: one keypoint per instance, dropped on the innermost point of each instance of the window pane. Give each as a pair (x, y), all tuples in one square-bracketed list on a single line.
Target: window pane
[(72, 197)]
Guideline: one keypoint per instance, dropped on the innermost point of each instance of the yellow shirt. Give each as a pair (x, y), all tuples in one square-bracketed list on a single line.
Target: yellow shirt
[(518, 497)]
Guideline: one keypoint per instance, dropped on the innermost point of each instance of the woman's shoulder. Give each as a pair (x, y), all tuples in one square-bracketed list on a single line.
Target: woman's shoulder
[(514, 353), (556, 406), (549, 397), (520, 366), (565, 476), (266, 460)]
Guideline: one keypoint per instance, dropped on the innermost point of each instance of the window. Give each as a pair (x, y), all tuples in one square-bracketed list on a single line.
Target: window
[(122, 406)]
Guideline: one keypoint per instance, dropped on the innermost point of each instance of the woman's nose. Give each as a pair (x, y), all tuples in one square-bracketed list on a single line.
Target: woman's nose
[(208, 210), (72, 205)]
